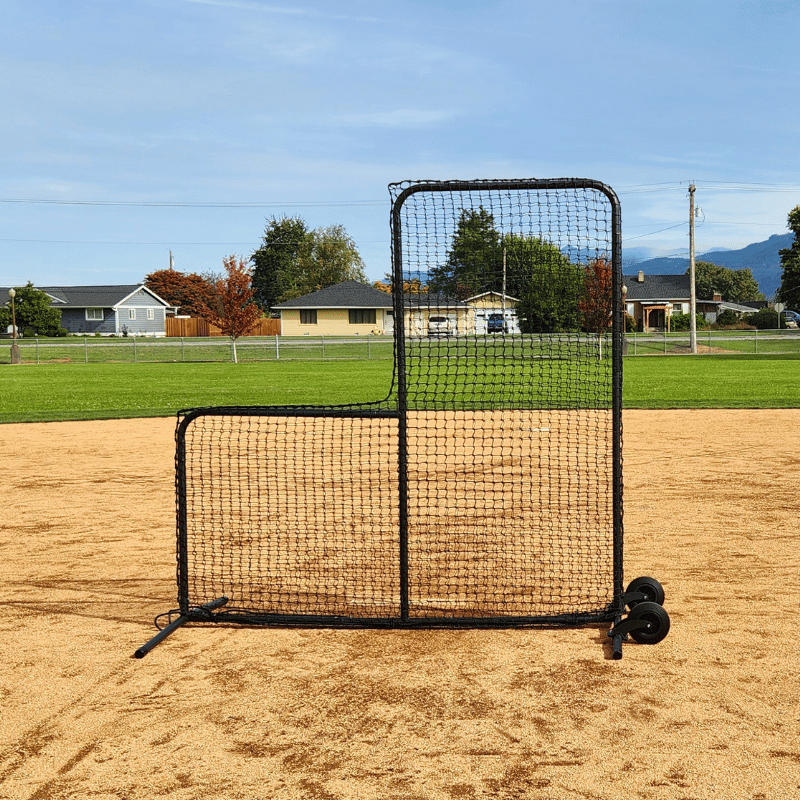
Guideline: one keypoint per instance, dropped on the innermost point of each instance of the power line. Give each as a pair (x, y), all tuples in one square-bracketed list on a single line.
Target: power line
[(169, 204), (653, 233)]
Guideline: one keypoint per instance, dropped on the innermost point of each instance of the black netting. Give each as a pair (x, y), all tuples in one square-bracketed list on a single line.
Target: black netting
[(486, 487)]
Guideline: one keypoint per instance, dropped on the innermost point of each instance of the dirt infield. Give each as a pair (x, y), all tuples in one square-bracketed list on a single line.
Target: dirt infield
[(712, 712)]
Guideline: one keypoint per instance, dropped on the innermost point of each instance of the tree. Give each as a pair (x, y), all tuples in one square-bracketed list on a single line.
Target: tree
[(328, 256), (733, 285), (33, 313), (237, 312), (293, 261), (412, 286), (189, 292), (277, 259), (789, 290), (548, 285), (475, 259), (596, 304)]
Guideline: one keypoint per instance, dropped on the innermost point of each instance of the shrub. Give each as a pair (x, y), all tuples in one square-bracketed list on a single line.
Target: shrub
[(682, 322), (765, 320), (727, 317)]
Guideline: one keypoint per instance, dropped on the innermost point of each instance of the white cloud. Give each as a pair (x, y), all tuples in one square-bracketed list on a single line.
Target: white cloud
[(286, 10), (398, 118)]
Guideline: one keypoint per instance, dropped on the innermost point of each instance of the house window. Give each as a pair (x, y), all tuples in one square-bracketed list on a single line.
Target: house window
[(95, 314), (362, 316), (131, 313), (308, 317), (151, 313)]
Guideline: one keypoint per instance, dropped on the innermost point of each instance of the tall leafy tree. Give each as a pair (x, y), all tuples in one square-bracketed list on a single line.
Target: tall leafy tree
[(328, 256), (474, 261), (549, 287), (789, 290), (733, 285), (32, 312), (293, 260), (190, 292), (277, 259), (236, 312)]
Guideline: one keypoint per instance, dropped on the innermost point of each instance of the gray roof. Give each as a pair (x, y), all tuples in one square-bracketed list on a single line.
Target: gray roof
[(432, 300), (89, 296), (658, 287), (348, 294)]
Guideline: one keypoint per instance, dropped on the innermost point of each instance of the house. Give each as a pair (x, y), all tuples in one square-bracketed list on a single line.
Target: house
[(344, 309), (110, 310), (491, 304), (653, 299), (433, 313), (351, 308)]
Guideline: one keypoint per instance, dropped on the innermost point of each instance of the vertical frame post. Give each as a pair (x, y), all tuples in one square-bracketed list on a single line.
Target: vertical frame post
[(398, 302)]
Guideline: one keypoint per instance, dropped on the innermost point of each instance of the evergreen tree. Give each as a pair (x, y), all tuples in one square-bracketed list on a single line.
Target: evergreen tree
[(277, 259), (475, 260), (789, 290)]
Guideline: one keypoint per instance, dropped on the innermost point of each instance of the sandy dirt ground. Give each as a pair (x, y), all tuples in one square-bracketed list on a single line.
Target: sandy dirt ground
[(713, 712)]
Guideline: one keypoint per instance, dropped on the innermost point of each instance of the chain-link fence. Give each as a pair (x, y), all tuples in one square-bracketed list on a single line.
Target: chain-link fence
[(132, 350), (270, 348), (714, 342)]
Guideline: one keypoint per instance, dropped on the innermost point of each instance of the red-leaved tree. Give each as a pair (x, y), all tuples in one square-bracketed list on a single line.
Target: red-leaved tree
[(235, 312), (188, 292), (595, 306)]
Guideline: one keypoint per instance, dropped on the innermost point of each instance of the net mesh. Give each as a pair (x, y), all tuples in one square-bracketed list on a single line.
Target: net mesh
[(486, 487)]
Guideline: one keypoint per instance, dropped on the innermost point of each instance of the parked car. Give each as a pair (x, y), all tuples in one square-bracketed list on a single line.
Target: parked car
[(439, 326), (496, 324), (791, 319)]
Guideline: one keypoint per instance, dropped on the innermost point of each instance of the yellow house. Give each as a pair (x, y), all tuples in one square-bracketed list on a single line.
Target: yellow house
[(490, 309), (431, 314), (349, 308)]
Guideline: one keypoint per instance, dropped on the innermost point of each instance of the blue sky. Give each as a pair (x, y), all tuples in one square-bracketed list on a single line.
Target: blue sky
[(122, 119)]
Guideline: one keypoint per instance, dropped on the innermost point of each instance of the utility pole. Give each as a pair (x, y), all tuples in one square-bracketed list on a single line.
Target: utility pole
[(15, 355), (692, 295), (503, 329)]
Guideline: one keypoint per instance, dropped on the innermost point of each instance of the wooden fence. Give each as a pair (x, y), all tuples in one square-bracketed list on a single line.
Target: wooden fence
[(195, 326)]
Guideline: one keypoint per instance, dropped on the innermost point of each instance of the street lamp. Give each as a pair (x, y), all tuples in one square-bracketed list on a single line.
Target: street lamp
[(15, 357)]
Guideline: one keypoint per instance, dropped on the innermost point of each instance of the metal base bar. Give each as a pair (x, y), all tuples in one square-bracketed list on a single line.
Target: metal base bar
[(194, 613)]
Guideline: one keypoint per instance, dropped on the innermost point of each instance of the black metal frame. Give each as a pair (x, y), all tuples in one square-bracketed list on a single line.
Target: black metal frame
[(395, 406)]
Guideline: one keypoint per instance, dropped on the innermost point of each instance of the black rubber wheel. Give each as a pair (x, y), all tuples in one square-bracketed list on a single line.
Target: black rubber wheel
[(657, 621), (649, 587)]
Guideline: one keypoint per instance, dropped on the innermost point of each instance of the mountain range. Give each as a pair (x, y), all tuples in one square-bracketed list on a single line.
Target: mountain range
[(761, 258)]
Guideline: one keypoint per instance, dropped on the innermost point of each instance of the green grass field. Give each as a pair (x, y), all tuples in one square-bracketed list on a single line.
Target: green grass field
[(52, 392)]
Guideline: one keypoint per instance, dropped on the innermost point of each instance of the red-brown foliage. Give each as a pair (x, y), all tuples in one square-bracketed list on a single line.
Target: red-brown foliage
[(595, 306), (236, 312), (188, 292)]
